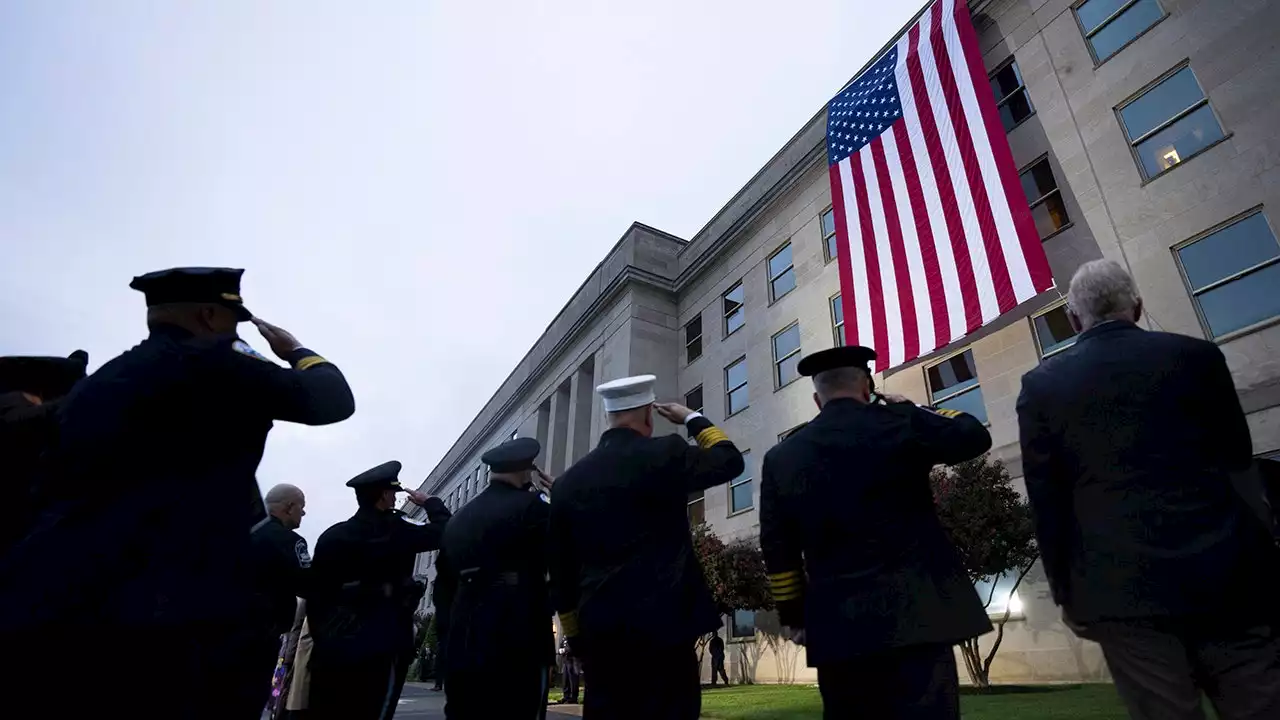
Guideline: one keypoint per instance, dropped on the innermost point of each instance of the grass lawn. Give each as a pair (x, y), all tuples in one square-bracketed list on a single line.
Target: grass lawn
[(799, 702)]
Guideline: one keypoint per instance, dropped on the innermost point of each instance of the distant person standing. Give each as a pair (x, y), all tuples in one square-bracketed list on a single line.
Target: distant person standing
[(571, 669), (1129, 440), (716, 648), (627, 585), (150, 481)]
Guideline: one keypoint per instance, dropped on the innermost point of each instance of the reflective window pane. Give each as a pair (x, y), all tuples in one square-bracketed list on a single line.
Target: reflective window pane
[(1179, 92), (1228, 251), (733, 299), (738, 400), (833, 247), (1093, 12), (744, 624), (968, 402), (693, 399), (787, 369), (1038, 181), (1050, 216), (736, 374), (1011, 97), (837, 310), (734, 313), (1243, 302), (1125, 28), (735, 321), (697, 509), (786, 342), (784, 283), (1054, 331), (780, 261), (741, 497), (953, 375), (829, 223), (1006, 81), (840, 336), (1180, 140)]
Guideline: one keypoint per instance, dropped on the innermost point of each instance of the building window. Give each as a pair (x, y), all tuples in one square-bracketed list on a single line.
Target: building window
[(1169, 123), (837, 319), (1110, 25), (1045, 199), (953, 384), (735, 315), (786, 353), (697, 508), (1053, 331), (693, 339), (693, 399), (830, 246), (782, 275), (735, 384), (1011, 95), (999, 595), (740, 493), (742, 626), (1233, 272)]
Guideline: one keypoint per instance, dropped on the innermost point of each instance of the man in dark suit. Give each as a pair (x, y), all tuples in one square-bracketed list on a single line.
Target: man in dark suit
[(859, 564), (625, 581), (1128, 442)]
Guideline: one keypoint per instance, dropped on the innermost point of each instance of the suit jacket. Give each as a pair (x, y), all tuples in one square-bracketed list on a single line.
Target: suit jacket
[(1128, 442), (622, 563), (852, 543)]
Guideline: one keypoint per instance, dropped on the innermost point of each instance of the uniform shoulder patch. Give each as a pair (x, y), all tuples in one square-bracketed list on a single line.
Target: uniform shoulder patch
[(243, 348), (411, 521), (300, 550)]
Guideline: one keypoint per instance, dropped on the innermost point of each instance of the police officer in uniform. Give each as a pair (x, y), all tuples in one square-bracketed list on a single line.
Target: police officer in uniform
[(501, 645), (625, 581), (364, 596), (860, 566)]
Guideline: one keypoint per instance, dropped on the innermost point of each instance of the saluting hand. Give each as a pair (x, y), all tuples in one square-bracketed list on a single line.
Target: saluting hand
[(281, 342), (674, 412), (418, 498), (543, 481)]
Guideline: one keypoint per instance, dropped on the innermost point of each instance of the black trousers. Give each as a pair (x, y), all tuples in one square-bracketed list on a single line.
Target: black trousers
[(1161, 668), (572, 676), (497, 693), (368, 690), (717, 668), (672, 687), (912, 683)]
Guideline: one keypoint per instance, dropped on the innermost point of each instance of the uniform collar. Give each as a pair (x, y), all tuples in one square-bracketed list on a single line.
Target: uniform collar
[(170, 331), (1107, 328), (617, 434)]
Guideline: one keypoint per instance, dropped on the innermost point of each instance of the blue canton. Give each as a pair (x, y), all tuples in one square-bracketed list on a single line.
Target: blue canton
[(864, 110)]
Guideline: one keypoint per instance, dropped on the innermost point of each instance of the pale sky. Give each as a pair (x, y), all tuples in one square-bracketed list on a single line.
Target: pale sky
[(414, 188)]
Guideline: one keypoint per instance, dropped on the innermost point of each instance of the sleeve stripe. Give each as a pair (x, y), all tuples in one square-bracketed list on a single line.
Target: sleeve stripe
[(780, 577), (309, 361), (785, 596), (569, 623), (711, 436), (785, 585)]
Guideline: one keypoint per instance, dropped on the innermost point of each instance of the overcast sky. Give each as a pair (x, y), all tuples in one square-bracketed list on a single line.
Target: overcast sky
[(415, 188)]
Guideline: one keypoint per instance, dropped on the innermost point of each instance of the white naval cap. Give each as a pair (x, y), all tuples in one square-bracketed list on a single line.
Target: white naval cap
[(627, 393)]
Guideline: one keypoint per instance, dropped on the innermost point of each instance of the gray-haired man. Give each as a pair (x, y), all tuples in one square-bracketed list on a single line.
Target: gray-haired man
[(1128, 441)]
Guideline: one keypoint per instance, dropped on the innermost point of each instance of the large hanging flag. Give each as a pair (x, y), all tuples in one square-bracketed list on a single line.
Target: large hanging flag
[(935, 236)]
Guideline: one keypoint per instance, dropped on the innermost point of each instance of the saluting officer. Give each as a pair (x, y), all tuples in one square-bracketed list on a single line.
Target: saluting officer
[(146, 541), (860, 566), (626, 583), (501, 645), (364, 596)]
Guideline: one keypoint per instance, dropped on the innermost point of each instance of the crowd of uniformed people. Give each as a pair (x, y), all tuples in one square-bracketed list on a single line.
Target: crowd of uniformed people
[(133, 522)]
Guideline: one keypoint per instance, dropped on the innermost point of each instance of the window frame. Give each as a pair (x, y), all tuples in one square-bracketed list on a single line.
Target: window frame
[(934, 400), (1059, 303), (745, 478), (728, 391), (777, 361), (687, 342), (1022, 87), (732, 625), (701, 396), (1193, 294), (742, 307), (773, 297), (837, 329), (1057, 189), (702, 498), (1185, 64), (1088, 34), (827, 255)]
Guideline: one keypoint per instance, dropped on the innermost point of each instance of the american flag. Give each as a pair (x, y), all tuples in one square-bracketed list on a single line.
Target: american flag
[(935, 237)]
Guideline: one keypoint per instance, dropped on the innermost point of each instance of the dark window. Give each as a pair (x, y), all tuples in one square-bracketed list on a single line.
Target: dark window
[(786, 353), (830, 246), (740, 494), (735, 383), (734, 314), (1044, 198), (953, 384), (693, 399), (697, 508), (1011, 95), (1109, 25), (782, 276), (743, 625), (1233, 274), (837, 320), (1169, 123), (1053, 331), (693, 339)]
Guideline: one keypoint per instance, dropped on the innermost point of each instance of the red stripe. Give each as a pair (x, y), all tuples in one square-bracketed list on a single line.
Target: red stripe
[(946, 191), (848, 307), (977, 189), (879, 333), (920, 211), (898, 252), (1028, 236)]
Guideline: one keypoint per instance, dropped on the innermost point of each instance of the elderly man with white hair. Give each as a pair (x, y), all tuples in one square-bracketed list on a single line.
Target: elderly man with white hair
[(1128, 441)]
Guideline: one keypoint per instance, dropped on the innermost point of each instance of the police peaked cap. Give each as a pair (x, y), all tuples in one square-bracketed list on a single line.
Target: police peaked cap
[(512, 455), (220, 286), (386, 475), (837, 357), (48, 377)]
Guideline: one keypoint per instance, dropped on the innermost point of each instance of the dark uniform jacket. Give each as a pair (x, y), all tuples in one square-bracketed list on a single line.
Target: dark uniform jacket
[(1128, 441), (622, 563), (282, 574), (501, 615), (26, 432), (855, 551), (150, 478), (363, 594)]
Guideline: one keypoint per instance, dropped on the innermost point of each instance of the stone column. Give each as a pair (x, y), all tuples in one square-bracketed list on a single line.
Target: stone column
[(557, 447), (581, 396)]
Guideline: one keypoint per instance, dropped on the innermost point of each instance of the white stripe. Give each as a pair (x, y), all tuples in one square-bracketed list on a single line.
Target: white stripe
[(857, 258), (888, 282), (1019, 274), (929, 187), (959, 180), (911, 244)]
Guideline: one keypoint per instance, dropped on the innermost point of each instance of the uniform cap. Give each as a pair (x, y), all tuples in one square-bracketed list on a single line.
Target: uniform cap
[(194, 284), (836, 357), (48, 377), (385, 475), (627, 393), (512, 455)]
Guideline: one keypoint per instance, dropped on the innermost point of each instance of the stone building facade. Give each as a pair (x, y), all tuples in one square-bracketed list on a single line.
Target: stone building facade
[(1147, 131)]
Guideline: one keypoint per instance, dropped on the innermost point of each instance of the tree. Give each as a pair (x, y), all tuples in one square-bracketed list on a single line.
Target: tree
[(735, 573), (991, 526)]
